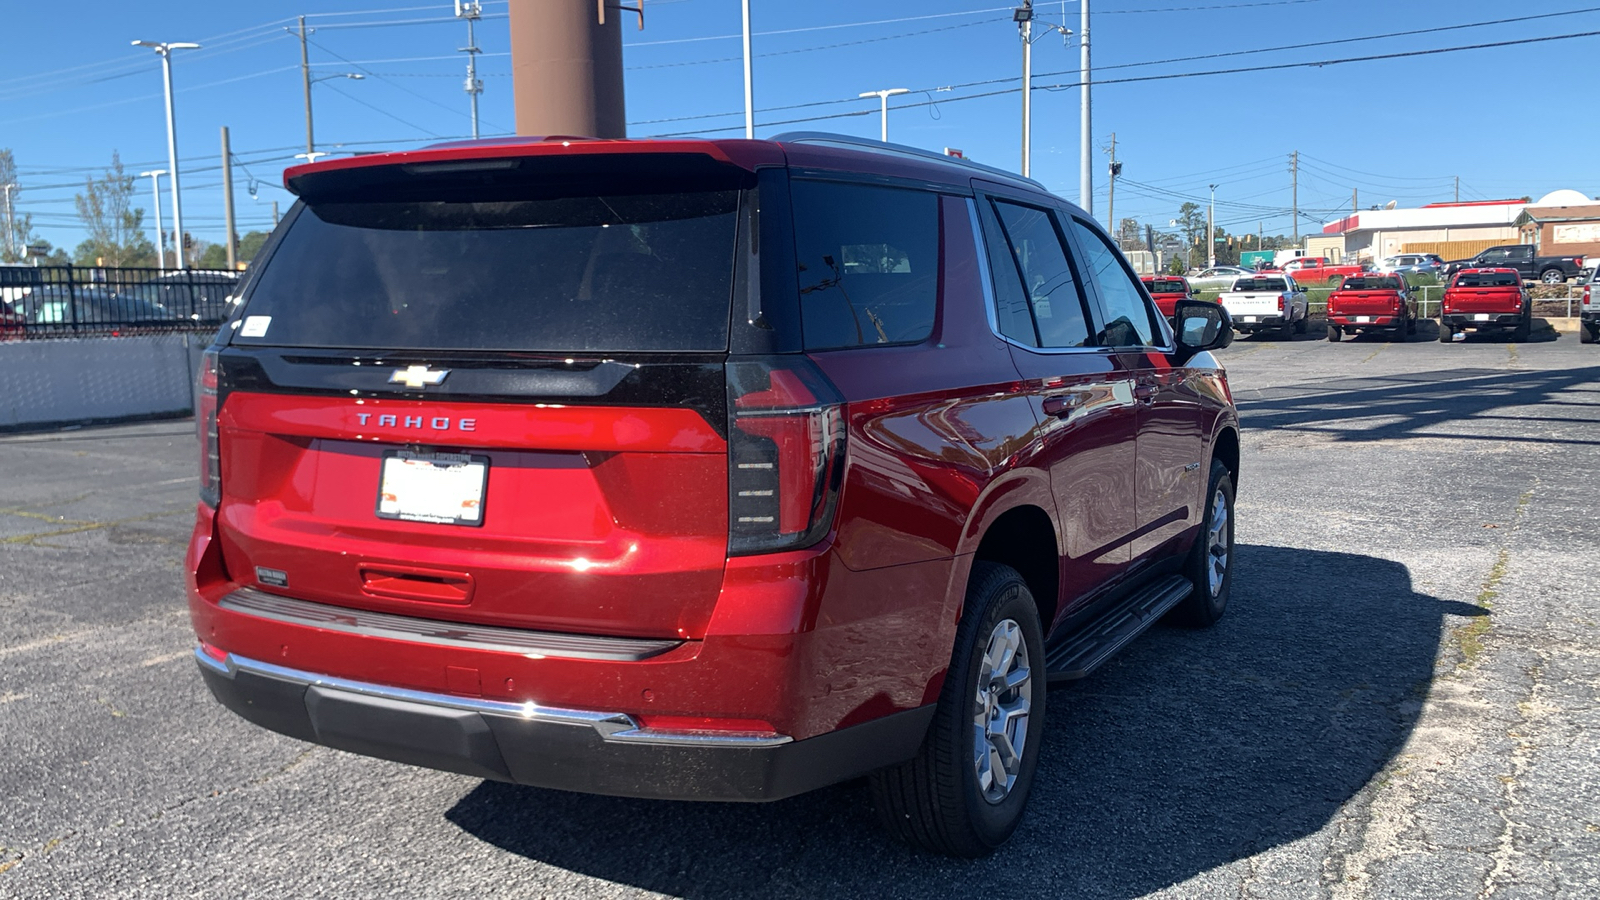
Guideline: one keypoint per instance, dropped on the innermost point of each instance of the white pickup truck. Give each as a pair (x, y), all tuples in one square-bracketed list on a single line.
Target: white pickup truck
[(1266, 302)]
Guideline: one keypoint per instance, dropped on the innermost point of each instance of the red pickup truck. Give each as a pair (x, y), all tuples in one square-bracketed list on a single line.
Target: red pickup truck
[(1167, 290), (1372, 302), (1485, 300), (1309, 270)]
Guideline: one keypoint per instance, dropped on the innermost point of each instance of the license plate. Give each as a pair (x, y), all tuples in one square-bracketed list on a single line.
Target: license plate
[(1249, 318), (444, 488), (1363, 318), (1480, 317)]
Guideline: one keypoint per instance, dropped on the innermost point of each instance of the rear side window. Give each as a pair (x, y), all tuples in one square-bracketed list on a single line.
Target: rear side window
[(1127, 315), (1040, 260), (869, 263), (645, 272)]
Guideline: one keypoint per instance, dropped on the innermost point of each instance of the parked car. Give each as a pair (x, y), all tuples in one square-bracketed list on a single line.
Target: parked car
[(11, 322), (1166, 291), (200, 296), (1589, 312), (1216, 278), (1319, 270), (1485, 300), (98, 309), (1374, 302), (711, 505), (1407, 264), (1521, 258), (1266, 302)]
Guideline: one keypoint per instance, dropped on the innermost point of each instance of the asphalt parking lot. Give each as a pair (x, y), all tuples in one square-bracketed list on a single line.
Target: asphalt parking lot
[(1402, 701)]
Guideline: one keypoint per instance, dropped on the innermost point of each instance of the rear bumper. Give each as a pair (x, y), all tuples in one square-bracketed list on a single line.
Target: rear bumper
[(1251, 322), (1459, 321), (1371, 321), (576, 750)]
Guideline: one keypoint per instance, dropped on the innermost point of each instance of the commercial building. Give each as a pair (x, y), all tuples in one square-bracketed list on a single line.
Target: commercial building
[(1563, 223), (1452, 230)]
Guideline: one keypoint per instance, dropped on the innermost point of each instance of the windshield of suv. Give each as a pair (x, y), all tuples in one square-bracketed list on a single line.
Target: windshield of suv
[(648, 272), (1260, 284)]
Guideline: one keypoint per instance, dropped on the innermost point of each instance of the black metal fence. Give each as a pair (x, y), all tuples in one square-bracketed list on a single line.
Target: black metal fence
[(82, 301)]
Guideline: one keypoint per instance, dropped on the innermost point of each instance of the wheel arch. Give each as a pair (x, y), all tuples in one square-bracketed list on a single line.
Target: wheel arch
[(1024, 538), (1225, 449)]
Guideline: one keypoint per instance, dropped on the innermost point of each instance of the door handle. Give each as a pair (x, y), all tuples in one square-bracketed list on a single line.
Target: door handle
[(1062, 405), (1145, 392)]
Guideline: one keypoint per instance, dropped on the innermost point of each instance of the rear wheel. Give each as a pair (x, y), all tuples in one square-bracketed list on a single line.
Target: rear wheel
[(966, 790), (1398, 335), (1444, 332), (1524, 327), (1586, 333), (1302, 323), (1335, 333), (1553, 276), (1210, 563)]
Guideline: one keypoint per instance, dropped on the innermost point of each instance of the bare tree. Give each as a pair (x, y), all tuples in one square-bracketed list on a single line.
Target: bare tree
[(114, 224)]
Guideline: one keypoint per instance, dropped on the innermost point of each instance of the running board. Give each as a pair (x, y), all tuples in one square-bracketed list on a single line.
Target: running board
[(1083, 651)]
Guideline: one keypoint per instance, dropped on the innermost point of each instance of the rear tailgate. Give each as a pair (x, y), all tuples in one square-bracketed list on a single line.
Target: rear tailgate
[(1496, 300), (489, 398), (1363, 303), (1243, 304)]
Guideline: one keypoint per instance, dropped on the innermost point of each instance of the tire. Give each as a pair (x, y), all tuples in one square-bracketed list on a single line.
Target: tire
[(938, 801), (1524, 327), (1334, 334), (1302, 323), (1411, 325), (1586, 334), (1398, 335), (1286, 330), (1444, 333), (1553, 276), (1210, 562)]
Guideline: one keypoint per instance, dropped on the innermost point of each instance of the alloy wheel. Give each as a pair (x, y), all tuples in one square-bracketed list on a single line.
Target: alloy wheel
[(1217, 543), (1000, 715)]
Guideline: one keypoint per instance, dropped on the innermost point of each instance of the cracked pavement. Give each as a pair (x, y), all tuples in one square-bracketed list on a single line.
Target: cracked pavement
[(1401, 701)]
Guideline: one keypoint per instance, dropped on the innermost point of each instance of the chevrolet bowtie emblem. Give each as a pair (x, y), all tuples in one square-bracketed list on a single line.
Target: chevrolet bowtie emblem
[(417, 376)]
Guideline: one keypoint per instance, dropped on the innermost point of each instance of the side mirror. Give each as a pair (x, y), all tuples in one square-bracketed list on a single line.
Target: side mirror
[(1201, 326)]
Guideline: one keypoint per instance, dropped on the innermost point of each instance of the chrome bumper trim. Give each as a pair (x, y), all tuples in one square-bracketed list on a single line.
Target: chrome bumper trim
[(612, 727)]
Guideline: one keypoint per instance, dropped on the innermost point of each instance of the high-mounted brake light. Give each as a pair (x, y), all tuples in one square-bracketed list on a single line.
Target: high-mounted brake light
[(785, 454), (205, 422)]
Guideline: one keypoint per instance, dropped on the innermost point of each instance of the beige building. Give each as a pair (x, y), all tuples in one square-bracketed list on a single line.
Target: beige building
[(1565, 223)]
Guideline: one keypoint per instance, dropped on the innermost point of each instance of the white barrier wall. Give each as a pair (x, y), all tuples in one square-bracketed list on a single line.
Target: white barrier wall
[(66, 381)]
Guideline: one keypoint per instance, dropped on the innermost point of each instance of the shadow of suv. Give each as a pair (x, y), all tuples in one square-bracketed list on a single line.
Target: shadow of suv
[(691, 469)]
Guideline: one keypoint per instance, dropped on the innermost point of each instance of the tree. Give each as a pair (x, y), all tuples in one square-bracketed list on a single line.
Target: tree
[(1192, 223), (115, 226), (250, 245), (1129, 236), (17, 228)]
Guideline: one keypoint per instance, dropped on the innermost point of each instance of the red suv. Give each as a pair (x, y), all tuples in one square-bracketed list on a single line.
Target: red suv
[(714, 470)]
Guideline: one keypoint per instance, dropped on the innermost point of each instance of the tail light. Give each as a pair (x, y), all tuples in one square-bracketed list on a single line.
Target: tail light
[(1586, 295), (786, 441), (205, 422), (1280, 303)]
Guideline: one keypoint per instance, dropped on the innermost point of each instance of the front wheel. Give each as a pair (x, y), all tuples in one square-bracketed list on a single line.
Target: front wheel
[(1210, 562), (966, 790), (1586, 333)]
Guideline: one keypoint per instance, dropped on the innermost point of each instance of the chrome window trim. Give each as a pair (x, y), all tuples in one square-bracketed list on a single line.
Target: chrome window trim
[(611, 727)]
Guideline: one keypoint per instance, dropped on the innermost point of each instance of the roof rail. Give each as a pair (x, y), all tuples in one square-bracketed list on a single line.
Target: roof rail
[(860, 143)]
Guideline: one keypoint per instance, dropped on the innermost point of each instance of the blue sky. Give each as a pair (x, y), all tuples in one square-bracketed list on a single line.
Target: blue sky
[(1509, 121)]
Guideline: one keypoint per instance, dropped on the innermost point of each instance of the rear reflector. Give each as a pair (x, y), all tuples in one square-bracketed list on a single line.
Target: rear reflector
[(785, 454)]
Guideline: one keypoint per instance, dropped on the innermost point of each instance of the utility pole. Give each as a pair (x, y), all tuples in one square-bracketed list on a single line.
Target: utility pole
[(1114, 170), (1085, 166), (1458, 188), (749, 83), (1211, 230), (11, 222), (274, 214), (305, 78), (1024, 19), (1355, 200), (227, 201), (471, 10), (1294, 169)]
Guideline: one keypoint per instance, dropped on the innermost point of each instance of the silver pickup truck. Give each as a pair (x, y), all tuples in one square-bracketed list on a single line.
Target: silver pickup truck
[(1266, 302)]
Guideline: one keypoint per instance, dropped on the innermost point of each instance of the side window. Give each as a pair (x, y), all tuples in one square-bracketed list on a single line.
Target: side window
[(869, 263), (1040, 260), (1127, 314), (1012, 317)]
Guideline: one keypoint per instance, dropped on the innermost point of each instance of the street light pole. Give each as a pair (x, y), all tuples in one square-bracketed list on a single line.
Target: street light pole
[(161, 236), (1086, 133), (1023, 16), (1211, 230), (749, 87), (164, 50), (883, 98)]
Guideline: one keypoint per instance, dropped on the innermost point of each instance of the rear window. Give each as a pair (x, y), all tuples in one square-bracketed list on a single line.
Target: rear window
[(1260, 284), (1369, 283), (869, 263), (1487, 279), (1165, 287), (638, 272)]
